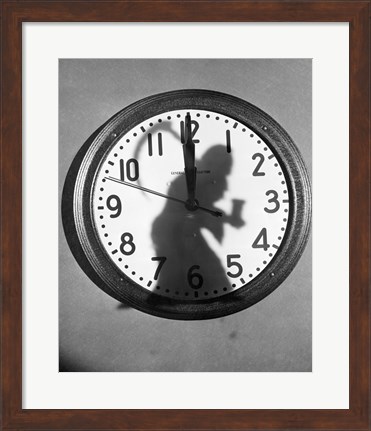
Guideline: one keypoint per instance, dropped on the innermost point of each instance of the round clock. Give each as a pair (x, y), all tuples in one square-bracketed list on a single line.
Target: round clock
[(190, 204)]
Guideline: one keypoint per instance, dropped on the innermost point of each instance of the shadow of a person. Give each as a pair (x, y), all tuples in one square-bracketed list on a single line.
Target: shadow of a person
[(177, 232)]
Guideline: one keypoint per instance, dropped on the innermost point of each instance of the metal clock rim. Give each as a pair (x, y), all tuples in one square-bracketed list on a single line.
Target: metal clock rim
[(85, 245)]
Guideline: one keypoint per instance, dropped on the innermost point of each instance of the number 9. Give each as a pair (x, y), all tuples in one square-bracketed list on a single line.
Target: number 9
[(116, 207)]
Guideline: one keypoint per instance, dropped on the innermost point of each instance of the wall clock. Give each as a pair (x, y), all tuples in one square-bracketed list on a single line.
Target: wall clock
[(190, 204)]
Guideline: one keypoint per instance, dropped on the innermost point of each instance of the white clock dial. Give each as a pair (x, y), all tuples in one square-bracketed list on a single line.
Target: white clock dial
[(165, 247)]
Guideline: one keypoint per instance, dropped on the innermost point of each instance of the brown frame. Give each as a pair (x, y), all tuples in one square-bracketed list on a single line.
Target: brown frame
[(14, 12)]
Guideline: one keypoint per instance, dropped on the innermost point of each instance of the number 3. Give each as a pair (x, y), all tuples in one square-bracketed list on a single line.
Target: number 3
[(274, 200)]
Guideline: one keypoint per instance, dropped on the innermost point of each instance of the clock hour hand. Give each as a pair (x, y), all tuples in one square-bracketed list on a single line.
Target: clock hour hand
[(189, 164), (162, 195)]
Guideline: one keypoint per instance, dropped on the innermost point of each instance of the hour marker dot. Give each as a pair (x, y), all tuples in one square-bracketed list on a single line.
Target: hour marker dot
[(282, 228), (285, 219), (100, 199), (226, 121), (276, 164), (158, 287), (186, 294), (207, 116), (110, 243), (104, 180), (265, 148), (216, 118), (258, 269), (126, 266), (101, 189), (176, 293), (106, 234), (233, 285), (279, 173), (178, 115), (265, 262), (280, 237), (120, 259), (286, 211), (141, 278), (103, 226), (206, 293), (259, 142), (121, 147), (169, 118), (251, 136), (150, 124), (101, 217), (115, 155), (250, 275), (244, 130), (167, 290), (282, 182), (107, 172), (133, 272), (225, 289), (215, 291), (197, 115), (134, 134), (159, 120), (270, 254)]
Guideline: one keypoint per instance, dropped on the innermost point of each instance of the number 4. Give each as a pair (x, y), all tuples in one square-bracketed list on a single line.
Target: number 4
[(263, 238)]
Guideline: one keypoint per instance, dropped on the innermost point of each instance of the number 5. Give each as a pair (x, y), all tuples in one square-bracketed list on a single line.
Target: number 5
[(236, 264)]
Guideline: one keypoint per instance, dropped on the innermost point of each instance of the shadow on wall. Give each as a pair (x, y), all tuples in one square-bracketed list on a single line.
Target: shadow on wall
[(177, 232)]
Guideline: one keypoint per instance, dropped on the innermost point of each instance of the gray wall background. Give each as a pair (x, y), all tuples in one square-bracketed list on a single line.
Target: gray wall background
[(96, 333)]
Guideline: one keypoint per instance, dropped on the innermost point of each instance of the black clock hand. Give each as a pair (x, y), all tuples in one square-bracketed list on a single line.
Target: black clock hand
[(162, 195), (189, 163)]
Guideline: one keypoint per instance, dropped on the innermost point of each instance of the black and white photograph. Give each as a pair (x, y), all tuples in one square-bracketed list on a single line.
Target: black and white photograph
[(185, 215)]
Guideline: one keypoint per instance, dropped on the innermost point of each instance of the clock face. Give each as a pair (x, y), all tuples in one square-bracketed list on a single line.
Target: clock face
[(190, 204), (168, 248)]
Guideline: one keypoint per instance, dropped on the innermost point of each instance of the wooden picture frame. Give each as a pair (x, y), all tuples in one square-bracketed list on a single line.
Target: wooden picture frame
[(14, 13)]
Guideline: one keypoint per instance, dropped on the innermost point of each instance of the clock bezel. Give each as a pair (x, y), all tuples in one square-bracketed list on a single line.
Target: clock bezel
[(77, 212)]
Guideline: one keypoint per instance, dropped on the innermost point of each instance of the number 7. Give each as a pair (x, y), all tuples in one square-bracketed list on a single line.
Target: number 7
[(160, 265)]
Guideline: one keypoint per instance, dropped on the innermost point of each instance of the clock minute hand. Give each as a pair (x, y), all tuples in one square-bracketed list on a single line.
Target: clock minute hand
[(189, 163), (162, 195)]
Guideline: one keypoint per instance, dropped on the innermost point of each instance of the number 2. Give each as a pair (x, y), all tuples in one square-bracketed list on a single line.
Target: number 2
[(256, 172)]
